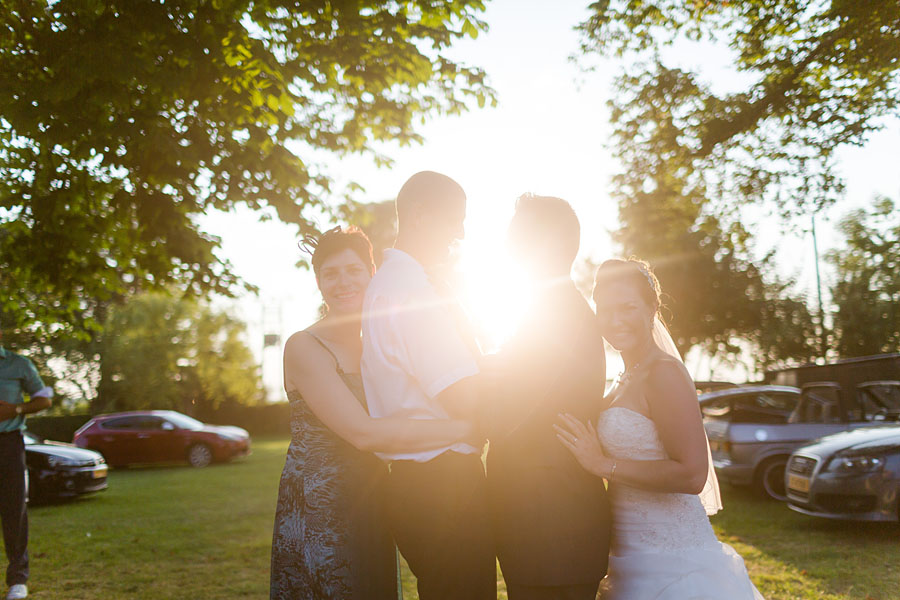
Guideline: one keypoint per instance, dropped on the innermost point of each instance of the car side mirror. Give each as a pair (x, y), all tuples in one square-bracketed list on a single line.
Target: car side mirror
[(166, 426)]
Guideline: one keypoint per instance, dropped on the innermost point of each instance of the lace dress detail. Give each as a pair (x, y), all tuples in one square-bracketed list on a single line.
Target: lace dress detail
[(650, 520), (663, 546)]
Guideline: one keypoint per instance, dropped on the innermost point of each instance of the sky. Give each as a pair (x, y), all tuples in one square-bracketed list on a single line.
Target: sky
[(549, 135)]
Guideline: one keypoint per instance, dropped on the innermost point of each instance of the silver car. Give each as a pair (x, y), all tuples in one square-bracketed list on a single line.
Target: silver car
[(852, 475), (745, 429), (753, 430)]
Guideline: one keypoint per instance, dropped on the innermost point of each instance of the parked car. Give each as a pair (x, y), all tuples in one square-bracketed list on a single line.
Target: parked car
[(880, 400), (161, 436), (753, 430), (59, 470), (704, 387), (850, 475), (739, 423)]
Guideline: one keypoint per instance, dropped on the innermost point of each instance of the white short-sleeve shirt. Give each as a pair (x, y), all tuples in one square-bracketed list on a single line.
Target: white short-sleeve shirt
[(412, 348)]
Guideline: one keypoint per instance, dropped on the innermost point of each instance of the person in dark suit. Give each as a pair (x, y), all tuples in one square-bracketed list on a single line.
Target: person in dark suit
[(551, 523)]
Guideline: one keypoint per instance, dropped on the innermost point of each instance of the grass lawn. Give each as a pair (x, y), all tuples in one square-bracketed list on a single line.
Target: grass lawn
[(177, 532)]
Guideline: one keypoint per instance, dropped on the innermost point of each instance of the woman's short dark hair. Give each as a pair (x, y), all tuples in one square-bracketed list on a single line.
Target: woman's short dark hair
[(633, 270), (336, 241)]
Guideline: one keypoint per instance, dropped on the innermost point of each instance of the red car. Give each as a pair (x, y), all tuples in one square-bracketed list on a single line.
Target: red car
[(160, 436)]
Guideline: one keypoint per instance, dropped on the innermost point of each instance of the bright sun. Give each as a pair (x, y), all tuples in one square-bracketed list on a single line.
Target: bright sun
[(495, 294)]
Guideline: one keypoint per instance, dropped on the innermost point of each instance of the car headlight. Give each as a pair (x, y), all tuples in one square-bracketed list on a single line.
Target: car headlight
[(59, 461), (855, 464)]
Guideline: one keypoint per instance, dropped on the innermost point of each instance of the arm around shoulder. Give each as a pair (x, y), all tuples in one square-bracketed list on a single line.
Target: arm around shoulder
[(311, 371)]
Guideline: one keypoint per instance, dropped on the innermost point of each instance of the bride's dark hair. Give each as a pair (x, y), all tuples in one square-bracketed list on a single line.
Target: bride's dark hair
[(336, 240), (633, 270)]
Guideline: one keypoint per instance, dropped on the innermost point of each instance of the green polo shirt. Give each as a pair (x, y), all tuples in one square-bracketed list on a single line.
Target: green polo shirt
[(17, 378)]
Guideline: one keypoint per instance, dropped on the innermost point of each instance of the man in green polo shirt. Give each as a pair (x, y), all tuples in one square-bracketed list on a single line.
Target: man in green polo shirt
[(18, 377)]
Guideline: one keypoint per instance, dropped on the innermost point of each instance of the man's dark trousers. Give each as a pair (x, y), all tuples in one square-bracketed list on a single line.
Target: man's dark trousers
[(587, 591), (12, 506), (438, 514)]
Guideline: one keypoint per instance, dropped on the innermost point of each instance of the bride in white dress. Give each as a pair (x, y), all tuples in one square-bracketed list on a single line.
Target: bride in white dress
[(649, 444)]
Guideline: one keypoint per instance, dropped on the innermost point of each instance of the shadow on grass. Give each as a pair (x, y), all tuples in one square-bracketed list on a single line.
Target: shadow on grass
[(174, 465), (857, 531), (46, 503), (848, 530), (853, 559)]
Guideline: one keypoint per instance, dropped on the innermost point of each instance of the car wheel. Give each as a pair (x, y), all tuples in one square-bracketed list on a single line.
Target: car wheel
[(199, 455), (769, 480)]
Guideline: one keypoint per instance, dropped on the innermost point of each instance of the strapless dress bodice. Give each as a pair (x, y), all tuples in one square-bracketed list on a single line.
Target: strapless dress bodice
[(662, 520), (663, 546)]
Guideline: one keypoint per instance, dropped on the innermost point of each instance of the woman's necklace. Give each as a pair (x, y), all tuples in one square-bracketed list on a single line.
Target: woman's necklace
[(628, 374)]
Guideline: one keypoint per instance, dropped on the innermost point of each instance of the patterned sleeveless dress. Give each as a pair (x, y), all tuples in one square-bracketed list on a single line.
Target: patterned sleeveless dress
[(330, 540)]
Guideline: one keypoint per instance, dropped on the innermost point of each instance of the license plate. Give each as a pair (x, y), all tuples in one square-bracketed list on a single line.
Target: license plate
[(801, 484), (101, 472)]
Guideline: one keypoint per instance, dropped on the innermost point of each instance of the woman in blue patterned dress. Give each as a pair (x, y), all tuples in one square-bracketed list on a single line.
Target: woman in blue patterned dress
[(330, 540)]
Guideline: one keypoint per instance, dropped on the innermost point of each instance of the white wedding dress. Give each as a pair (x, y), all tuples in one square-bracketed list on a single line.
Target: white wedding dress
[(663, 546)]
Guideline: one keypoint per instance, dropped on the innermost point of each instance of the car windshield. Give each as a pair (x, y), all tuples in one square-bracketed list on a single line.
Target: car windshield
[(818, 404), (880, 401), (183, 421), (752, 407)]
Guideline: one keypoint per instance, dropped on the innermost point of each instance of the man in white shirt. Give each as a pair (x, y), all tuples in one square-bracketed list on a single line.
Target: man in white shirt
[(416, 363)]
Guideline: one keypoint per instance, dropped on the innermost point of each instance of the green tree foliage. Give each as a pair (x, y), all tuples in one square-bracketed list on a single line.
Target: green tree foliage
[(160, 351), (715, 293), (867, 292), (378, 220), (786, 331), (820, 75), (121, 121)]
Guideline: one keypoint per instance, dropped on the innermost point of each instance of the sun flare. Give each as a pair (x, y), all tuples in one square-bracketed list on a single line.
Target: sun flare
[(495, 293)]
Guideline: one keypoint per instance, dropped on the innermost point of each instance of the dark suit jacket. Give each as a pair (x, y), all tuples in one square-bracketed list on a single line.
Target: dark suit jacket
[(550, 517)]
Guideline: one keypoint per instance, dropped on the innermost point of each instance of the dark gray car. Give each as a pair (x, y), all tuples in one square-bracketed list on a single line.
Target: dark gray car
[(753, 430), (59, 470), (851, 475)]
